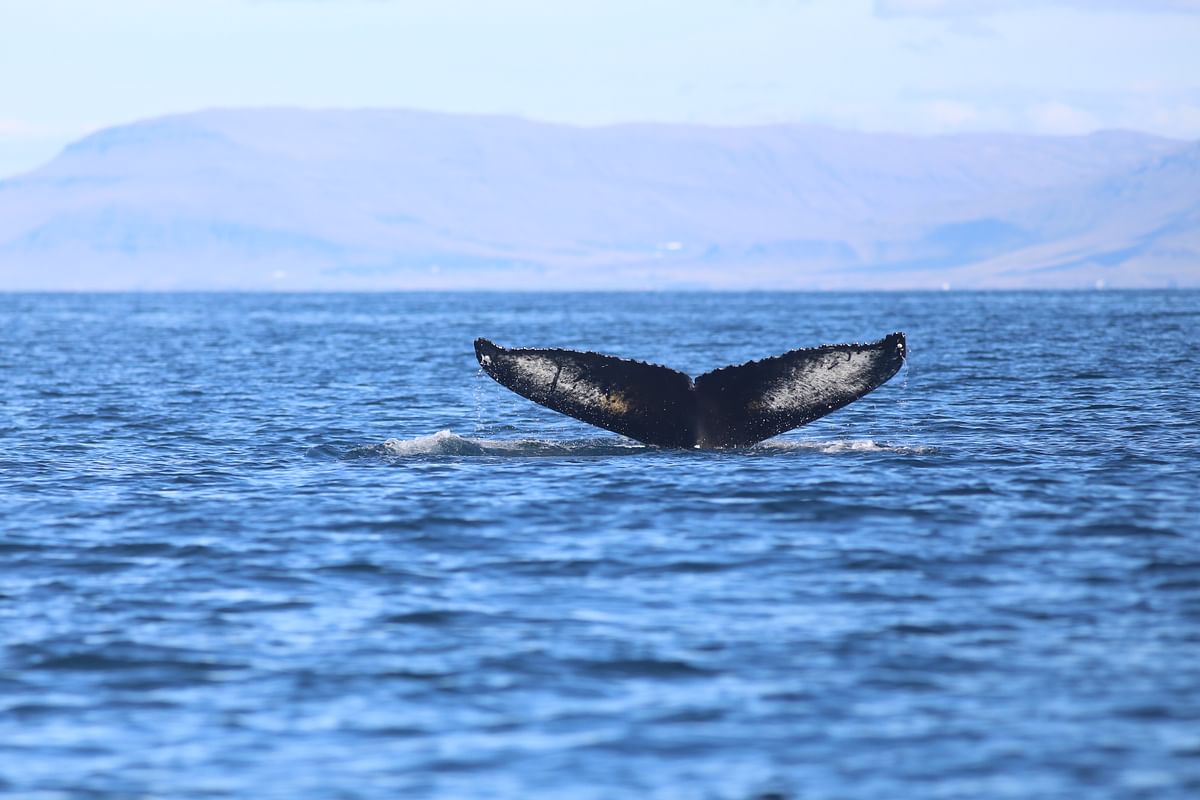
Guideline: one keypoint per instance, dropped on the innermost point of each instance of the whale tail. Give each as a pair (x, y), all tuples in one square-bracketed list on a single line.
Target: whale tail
[(729, 407)]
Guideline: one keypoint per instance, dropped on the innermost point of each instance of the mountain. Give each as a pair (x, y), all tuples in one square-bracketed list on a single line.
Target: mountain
[(294, 199)]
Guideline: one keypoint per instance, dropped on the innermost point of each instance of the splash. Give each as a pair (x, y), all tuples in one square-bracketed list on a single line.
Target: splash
[(841, 446), (447, 443)]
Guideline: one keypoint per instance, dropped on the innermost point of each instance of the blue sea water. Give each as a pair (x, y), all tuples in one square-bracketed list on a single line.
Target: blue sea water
[(297, 546)]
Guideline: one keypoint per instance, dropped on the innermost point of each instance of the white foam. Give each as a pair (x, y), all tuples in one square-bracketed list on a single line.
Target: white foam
[(448, 443), (842, 446), (441, 443)]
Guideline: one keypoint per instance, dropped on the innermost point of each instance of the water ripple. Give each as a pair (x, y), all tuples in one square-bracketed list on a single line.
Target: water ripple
[(296, 546)]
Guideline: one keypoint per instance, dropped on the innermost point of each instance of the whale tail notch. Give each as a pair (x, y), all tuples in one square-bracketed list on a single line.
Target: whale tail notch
[(729, 407)]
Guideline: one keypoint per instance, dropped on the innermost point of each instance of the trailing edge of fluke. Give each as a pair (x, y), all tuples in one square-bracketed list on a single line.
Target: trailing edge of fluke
[(729, 407)]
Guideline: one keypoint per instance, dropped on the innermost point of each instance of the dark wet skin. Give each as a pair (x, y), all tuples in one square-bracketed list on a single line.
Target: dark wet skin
[(733, 406)]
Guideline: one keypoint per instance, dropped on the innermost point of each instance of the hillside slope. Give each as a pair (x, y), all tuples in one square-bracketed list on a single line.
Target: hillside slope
[(279, 198)]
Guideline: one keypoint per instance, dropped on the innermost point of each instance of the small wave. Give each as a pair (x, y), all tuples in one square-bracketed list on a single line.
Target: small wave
[(448, 443), (842, 446)]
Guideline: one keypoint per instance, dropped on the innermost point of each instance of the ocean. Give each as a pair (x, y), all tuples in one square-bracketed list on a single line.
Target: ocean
[(299, 546)]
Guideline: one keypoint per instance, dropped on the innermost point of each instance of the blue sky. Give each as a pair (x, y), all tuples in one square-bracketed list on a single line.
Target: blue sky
[(68, 67)]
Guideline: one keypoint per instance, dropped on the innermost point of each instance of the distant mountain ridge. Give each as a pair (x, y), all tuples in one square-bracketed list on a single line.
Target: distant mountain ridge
[(376, 199)]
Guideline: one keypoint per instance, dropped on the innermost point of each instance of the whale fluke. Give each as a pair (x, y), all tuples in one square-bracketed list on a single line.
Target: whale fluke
[(728, 407)]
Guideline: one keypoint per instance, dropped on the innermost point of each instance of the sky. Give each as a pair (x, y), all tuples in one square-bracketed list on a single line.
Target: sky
[(69, 67)]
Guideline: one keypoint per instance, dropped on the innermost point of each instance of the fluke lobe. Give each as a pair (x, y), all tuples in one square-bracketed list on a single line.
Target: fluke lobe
[(728, 407)]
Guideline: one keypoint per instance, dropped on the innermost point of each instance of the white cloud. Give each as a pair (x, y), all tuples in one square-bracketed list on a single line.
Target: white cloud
[(1181, 120), (11, 128), (979, 8), (17, 128), (950, 114), (1061, 119), (972, 26), (24, 144)]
